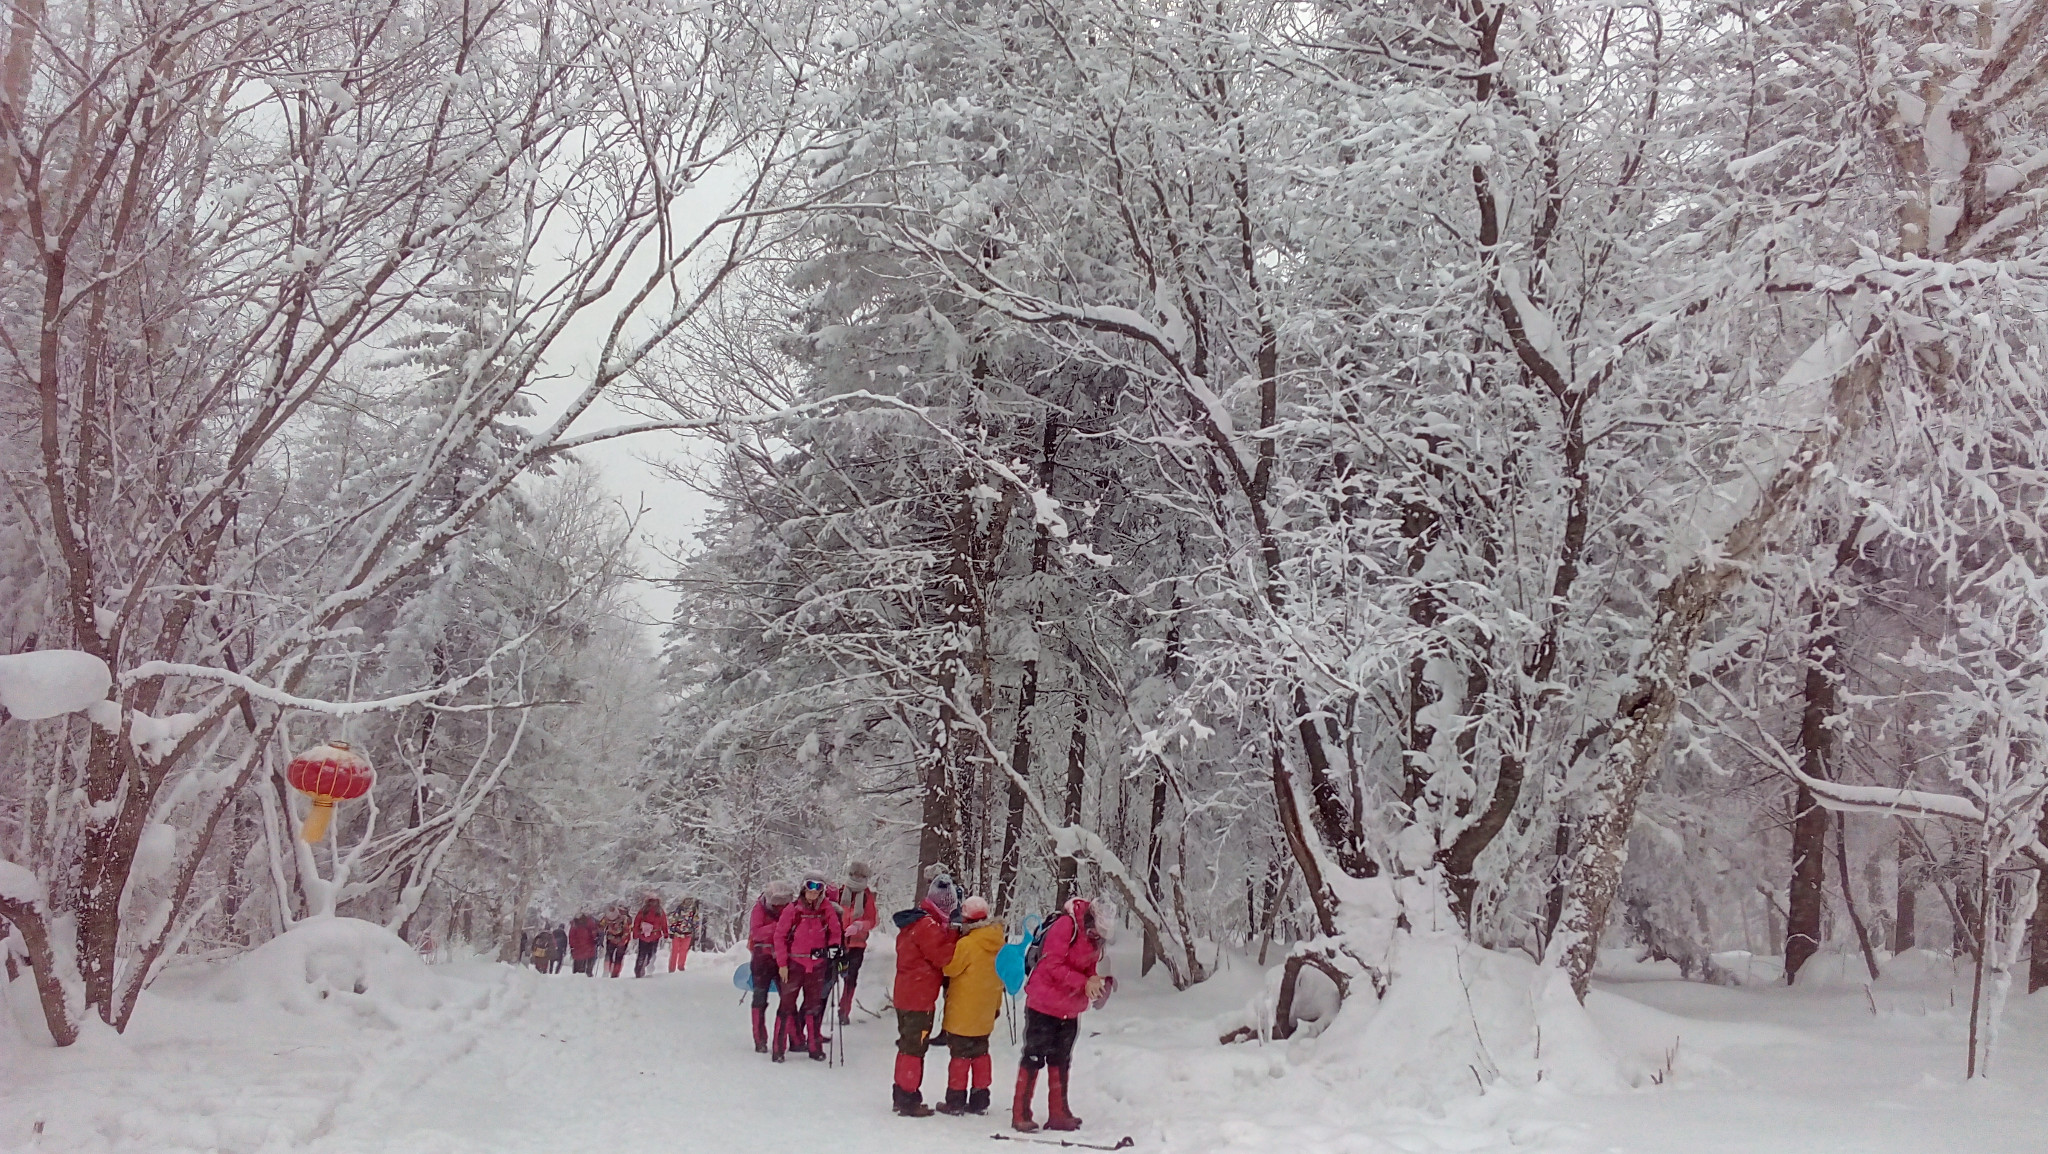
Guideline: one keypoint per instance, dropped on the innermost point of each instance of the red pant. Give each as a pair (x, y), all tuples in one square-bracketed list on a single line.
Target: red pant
[(678, 951)]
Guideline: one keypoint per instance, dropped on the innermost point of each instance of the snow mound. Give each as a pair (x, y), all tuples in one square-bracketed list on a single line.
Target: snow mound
[(1457, 1019), (50, 682), (333, 967)]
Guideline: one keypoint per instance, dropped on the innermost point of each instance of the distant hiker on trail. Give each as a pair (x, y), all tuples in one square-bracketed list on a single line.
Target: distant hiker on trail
[(561, 950), (1062, 985), (858, 913), (583, 941), (618, 930), (682, 929), (542, 943), (650, 929), (924, 947), (808, 928), (974, 996), (761, 942)]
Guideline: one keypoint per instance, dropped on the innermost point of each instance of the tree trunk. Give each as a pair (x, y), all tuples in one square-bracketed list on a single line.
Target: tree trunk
[(27, 919), (1077, 780), (2037, 938), (1154, 850), (1903, 929), (1849, 894), (1013, 817), (1553, 905), (1806, 901), (1027, 698), (939, 834), (1642, 720)]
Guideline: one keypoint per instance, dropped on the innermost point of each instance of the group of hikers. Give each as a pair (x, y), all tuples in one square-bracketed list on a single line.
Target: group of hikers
[(587, 936), (805, 938)]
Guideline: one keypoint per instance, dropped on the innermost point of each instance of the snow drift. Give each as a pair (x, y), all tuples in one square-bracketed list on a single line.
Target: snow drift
[(332, 967)]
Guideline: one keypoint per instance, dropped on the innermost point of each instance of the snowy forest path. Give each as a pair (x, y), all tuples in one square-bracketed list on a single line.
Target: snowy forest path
[(480, 1058), (663, 1063), (666, 1064)]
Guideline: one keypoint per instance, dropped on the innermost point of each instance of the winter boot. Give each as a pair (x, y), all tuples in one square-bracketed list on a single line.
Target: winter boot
[(955, 1103), (760, 1029), (846, 1004), (816, 1028), (781, 1039), (1057, 1116), (981, 1071), (907, 1091), (1020, 1106)]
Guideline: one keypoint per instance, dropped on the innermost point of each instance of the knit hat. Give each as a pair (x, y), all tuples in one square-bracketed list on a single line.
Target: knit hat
[(975, 909), (858, 873), (942, 895), (814, 876), (779, 893)]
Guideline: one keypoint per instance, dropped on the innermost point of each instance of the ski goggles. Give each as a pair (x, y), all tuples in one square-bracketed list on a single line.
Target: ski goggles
[(814, 885)]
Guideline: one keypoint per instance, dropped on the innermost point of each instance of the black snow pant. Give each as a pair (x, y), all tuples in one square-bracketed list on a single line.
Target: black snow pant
[(763, 973), (586, 965), (643, 957), (1048, 1041)]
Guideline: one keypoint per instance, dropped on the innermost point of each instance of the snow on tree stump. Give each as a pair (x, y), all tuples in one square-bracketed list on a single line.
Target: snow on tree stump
[(328, 773)]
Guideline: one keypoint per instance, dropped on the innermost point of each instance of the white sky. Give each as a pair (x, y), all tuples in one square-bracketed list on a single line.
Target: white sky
[(673, 511)]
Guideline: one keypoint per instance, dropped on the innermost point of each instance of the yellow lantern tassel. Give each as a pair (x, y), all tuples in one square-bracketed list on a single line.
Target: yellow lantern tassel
[(316, 821)]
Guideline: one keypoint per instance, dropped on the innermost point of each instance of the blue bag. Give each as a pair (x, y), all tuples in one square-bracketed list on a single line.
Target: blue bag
[(743, 980), (1011, 959)]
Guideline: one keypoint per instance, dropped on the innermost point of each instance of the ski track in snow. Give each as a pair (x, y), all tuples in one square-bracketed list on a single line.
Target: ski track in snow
[(513, 1061)]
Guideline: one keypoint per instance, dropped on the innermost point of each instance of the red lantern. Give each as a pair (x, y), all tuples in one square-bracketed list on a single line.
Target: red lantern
[(329, 773)]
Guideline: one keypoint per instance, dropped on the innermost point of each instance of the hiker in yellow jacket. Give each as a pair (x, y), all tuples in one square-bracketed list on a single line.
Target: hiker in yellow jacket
[(974, 996)]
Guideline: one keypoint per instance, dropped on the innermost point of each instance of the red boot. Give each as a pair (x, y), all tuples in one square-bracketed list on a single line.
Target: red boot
[(760, 1029), (956, 1087), (781, 1038), (908, 1093), (977, 1098), (1020, 1106), (1057, 1116)]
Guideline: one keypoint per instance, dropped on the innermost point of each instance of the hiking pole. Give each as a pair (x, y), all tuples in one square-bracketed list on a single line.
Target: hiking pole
[(1123, 1143), (838, 1027)]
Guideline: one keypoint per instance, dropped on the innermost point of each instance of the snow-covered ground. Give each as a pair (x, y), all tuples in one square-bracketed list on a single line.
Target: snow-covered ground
[(279, 1051)]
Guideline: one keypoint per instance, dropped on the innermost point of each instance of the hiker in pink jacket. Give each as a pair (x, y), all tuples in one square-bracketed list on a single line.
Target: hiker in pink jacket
[(761, 943), (859, 913), (1061, 986), (808, 927)]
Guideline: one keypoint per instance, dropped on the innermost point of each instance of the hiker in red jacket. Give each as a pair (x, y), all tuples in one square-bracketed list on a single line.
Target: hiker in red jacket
[(807, 929), (650, 929), (1062, 985), (761, 942), (859, 913), (924, 945), (583, 935)]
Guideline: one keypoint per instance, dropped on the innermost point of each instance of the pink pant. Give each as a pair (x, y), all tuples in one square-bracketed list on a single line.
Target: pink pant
[(678, 952)]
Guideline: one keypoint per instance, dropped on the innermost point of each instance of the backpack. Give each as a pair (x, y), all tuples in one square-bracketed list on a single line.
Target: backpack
[(1034, 945)]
